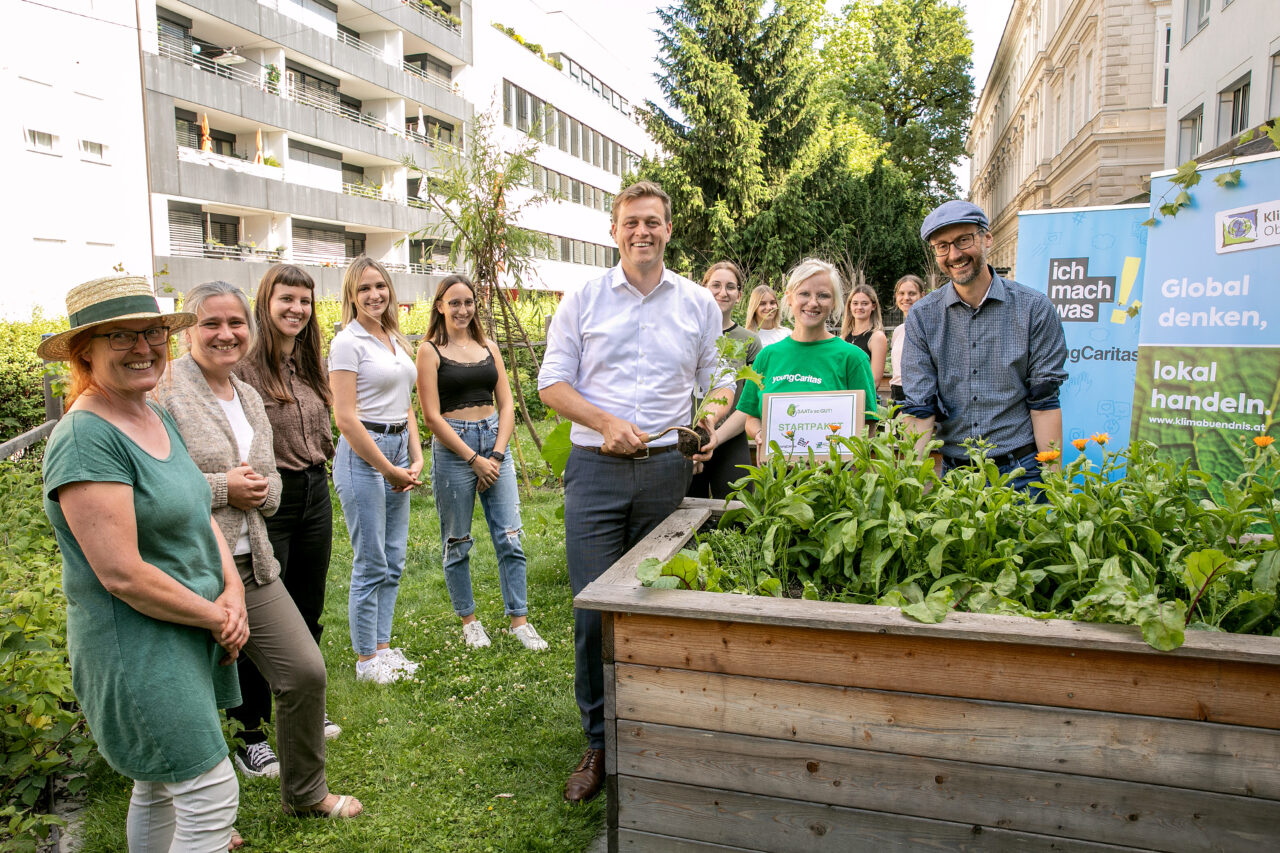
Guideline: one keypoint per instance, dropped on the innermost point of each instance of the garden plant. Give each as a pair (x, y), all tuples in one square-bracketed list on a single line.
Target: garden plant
[(1138, 540)]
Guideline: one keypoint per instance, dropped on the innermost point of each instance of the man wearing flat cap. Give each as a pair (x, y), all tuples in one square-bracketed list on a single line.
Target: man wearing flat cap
[(984, 355)]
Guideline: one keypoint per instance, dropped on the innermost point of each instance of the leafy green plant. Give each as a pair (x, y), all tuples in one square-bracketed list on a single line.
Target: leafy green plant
[(731, 367), (42, 734), (1137, 540)]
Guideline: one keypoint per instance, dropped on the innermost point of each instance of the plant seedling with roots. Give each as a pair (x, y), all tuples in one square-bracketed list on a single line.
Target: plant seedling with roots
[(731, 367)]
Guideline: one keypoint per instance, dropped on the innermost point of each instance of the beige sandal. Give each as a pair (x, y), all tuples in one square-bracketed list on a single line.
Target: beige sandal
[(339, 809)]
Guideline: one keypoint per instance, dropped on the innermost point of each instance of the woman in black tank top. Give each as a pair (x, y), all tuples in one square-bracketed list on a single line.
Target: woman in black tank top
[(466, 402)]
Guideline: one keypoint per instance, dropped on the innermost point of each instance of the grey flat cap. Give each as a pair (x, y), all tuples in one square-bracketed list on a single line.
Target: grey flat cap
[(952, 213)]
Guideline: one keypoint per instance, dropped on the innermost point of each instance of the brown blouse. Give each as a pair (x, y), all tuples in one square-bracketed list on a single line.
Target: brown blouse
[(301, 429)]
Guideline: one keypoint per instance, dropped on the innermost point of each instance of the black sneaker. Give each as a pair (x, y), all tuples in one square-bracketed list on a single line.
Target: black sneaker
[(258, 759)]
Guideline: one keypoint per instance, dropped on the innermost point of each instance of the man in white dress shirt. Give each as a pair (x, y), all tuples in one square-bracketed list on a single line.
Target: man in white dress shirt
[(625, 354)]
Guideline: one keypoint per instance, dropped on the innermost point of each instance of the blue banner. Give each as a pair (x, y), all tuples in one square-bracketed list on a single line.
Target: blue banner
[(1090, 263), (1208, 378)]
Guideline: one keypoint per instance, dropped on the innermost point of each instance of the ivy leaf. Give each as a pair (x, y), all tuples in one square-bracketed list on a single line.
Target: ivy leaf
[(1169, 209), (556, 447), (1150, 222), (1246, 136), (1183, 199), (1272, 129), (1228, 179)]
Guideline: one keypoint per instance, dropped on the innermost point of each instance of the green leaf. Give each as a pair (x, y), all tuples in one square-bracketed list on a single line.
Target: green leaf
[(934, 608), (1267, 575), (1203, 568), (1149, 222), (810, 592), (556, 447), (771, 586), (1231, 178), (1162, 624), (649, 570)]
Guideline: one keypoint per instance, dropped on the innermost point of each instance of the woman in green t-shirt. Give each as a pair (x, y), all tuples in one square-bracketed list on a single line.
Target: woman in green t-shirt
[(155, 607), (812, 358)]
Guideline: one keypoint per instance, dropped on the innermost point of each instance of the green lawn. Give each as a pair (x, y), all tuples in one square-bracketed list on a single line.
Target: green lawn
[(470, 757)]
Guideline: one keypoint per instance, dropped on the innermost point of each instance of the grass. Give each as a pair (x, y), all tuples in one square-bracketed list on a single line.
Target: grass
[(471, 757)]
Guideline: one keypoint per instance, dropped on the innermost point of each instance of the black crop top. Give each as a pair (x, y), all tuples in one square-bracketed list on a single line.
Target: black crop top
[(463, 384)]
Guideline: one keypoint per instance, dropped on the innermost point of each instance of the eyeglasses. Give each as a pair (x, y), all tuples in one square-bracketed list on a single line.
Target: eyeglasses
[(962, 242), (455, 304), (123, 341)]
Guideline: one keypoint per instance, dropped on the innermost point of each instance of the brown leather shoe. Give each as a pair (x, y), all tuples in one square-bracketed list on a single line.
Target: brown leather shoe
[(587, 778)]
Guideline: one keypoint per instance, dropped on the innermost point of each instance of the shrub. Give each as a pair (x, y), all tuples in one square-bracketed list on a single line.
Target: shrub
[(21, 388), (42, 733)]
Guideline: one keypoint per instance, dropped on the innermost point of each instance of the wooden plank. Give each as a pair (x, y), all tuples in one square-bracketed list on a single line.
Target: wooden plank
[(1179, 820), (791, 826), (631, 841), (629, 597), (1161, 686), (664, 541), (1211, 756), (610, 721), (28, 438)]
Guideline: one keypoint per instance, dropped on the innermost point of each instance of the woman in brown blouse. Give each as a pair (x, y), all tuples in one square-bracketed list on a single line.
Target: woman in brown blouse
[(287, 369)]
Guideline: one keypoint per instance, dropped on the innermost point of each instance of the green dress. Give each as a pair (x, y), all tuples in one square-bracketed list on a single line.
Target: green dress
[(150, 689)]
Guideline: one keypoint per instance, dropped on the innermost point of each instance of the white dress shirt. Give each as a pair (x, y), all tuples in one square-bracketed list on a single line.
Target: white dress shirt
[(639, 358)]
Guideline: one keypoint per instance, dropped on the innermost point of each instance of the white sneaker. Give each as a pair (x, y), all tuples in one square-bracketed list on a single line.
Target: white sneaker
[(331, 729), (475, 635), (377, 671), (395, 659), (528, 637)]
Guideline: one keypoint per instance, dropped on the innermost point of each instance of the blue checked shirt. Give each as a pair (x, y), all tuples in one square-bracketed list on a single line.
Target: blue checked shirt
[(979, 372)]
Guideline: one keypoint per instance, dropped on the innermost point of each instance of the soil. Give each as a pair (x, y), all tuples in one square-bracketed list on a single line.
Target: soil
[(687, 444)]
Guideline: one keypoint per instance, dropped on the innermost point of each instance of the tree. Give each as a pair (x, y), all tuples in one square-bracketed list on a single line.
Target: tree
[(480, 195), (847, 205), (900, 69), (741, 83)]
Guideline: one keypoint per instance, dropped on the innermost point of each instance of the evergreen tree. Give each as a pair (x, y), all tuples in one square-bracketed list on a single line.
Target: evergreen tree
[(900, 68), (741, 82)]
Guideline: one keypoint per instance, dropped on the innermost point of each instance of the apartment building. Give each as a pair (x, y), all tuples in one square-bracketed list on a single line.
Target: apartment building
[(1224, 72), (76, 193), (1073, 112), (558, 83), (280, 129)]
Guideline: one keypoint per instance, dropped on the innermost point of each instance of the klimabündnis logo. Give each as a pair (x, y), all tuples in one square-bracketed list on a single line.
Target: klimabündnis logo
[(1241, 227)]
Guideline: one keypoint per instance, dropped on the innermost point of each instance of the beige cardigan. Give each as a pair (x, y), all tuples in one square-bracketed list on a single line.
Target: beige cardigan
[(186, 394)]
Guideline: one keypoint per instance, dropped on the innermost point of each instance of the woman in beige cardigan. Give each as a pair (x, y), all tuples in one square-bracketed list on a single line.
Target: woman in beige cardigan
[(226, 429)]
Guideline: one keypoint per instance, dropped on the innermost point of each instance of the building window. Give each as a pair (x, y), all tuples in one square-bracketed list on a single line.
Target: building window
[(1273, 107), (1164, 63), (94, 151), (38, 140), (1190, 134), (1087, 87), (1233, 109), (1197, 17)]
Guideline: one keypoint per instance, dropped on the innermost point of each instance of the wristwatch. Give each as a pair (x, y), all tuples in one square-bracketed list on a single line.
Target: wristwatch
[(499, 455)]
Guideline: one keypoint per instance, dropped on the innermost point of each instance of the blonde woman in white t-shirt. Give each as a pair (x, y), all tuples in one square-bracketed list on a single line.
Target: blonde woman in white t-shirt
[(377, 461), (762, 316)]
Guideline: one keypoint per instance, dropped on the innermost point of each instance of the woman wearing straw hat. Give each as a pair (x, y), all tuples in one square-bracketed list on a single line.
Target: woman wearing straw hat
[(226, 427), (155, 607)]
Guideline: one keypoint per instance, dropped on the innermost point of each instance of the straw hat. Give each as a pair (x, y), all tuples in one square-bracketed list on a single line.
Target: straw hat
[(106, 300)]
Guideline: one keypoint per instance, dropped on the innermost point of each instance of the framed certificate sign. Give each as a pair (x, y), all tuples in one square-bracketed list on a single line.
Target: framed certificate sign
[(804, 420)]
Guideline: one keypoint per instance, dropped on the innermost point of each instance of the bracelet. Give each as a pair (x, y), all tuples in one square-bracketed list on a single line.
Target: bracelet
[(474, 457)]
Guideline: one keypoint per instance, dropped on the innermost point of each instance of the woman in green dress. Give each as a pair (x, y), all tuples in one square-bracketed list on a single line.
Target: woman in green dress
[(155, 607)]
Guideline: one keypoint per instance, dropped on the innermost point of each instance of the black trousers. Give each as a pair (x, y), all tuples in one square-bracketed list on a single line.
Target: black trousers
[(301, 534), (722, 469)]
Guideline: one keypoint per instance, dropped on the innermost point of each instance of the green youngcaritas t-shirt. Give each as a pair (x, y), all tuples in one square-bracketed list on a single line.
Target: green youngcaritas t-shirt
[(150, 689), (791, 365)]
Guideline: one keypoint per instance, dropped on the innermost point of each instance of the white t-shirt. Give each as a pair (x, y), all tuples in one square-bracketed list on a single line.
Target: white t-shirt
[(243, 432), (895, 352), (772, 336), (384, 379)]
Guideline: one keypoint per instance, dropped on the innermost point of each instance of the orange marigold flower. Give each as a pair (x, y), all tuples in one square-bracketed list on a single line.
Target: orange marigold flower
[(1048, 456), (1263, 440), (1101, 437), (1080, 443)]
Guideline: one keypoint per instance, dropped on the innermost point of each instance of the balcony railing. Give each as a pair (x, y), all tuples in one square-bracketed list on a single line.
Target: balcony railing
[(298, 94), (435, 15), (362, 190), (222, 252), (362, 46), (218, 251), (430, 76)]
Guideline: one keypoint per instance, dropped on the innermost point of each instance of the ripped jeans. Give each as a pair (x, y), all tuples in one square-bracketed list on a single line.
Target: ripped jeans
[(454, 485)]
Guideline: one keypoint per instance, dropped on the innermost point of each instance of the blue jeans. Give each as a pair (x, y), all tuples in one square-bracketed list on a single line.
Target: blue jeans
[(378, 524), (1030, 473), (454, 485)]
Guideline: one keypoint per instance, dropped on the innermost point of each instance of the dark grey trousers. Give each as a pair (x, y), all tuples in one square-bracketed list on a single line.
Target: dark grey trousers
[(609, 505)]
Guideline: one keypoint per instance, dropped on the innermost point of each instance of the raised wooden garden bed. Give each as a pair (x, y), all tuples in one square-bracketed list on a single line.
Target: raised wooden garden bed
[(741, 723)]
